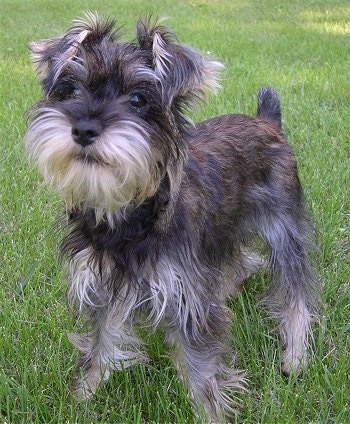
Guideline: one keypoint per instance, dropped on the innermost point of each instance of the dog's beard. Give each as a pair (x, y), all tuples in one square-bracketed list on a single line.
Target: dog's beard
[(115, 170)]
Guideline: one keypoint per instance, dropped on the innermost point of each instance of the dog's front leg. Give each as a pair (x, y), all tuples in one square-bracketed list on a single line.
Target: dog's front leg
[(110, 344), (203, 362)]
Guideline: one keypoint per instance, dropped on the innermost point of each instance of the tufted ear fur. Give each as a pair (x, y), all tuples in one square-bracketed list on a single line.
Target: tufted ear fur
[(186, 75), (52, 57)]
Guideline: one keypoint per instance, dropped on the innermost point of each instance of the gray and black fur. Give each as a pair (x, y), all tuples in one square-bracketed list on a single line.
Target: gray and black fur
[(163, 214)]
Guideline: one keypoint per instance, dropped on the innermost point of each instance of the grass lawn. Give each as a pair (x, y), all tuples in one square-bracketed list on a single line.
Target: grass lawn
[(302, 49)]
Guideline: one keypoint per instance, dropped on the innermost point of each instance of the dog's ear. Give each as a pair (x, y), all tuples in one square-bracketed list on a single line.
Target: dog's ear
[(50, 57), (42, 54), (53, 56), (185, 74)]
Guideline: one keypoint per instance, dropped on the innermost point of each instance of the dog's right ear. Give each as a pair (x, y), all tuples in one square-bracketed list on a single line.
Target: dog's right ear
[(52, 57), (185, 74), (42, 54)]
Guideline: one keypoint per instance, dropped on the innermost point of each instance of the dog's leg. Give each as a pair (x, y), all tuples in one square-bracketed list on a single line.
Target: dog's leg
[(111, 343), (197, 326), (236, 273), (202, 361), (293, 294)]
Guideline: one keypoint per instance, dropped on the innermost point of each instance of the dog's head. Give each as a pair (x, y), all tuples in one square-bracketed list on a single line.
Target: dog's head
[(110, 126)]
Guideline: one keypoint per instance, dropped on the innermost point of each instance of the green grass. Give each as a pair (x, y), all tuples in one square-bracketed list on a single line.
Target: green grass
[(301, 48)]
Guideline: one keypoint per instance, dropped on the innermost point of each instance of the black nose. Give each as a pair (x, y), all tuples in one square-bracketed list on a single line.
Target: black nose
[(85, 132)]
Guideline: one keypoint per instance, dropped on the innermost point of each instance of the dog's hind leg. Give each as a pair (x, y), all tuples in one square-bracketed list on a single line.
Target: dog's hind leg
[(293, 295), (284, 224), (235, 273)]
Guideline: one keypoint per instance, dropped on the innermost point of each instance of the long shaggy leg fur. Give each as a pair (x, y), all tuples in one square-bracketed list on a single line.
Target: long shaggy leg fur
[(111, 345), (204, 363), (239, 270), (292, 295)]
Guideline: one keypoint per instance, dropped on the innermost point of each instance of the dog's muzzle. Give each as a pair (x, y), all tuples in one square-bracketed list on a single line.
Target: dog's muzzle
[(86, 131)]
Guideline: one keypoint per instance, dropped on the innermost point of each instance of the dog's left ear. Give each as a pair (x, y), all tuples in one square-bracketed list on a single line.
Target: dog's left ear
[(185, 74)]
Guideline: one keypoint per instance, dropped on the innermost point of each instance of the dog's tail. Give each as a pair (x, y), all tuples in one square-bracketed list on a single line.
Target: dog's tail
[(269, 106)]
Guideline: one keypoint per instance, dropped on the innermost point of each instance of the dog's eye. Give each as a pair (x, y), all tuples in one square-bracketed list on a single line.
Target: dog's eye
[(76, 92), (137, 100)]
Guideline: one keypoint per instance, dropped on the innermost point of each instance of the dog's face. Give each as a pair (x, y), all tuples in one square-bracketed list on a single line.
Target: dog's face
[(111, 123)]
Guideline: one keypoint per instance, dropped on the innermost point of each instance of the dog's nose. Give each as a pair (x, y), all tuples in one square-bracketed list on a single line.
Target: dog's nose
[(85, 132)]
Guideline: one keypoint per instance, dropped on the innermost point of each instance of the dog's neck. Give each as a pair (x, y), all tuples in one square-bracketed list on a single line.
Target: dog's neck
[(144, 216)]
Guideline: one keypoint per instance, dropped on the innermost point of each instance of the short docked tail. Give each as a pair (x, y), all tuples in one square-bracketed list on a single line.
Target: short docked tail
[(269, 106)]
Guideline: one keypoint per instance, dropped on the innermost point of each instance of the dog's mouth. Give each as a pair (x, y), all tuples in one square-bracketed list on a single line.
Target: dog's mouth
[(87, 158)]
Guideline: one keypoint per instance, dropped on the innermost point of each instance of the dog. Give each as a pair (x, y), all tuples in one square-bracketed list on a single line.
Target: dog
[(166, 219)]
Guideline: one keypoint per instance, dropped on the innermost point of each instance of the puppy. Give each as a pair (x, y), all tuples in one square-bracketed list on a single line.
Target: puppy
[(162, 215)]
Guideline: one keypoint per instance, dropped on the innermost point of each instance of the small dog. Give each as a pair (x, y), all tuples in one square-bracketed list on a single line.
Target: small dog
[(163, 215)]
